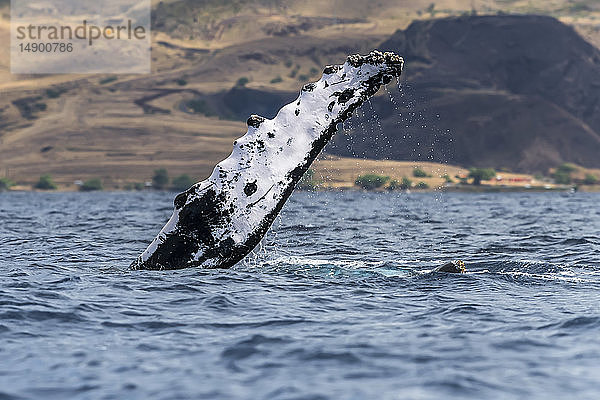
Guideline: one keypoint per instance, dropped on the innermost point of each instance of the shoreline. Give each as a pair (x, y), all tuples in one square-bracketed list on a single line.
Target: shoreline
[(331, 173), (445, 189)]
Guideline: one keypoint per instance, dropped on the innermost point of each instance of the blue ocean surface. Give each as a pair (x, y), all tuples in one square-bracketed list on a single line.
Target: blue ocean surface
[(338, 302)]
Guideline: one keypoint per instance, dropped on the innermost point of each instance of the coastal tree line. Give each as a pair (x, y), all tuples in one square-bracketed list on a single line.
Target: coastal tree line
[(564, 174)]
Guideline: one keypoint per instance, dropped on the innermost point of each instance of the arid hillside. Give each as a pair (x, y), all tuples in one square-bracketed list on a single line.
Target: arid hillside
[(517, 92), (215, 62)]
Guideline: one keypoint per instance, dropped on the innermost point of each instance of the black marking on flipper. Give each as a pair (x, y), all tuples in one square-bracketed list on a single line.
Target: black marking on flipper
[(331, 69), (250, 188), (309, 87), (344, 96)]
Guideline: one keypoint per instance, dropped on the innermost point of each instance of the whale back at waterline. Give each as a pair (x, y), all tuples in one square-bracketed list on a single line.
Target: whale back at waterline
[(220, 220)]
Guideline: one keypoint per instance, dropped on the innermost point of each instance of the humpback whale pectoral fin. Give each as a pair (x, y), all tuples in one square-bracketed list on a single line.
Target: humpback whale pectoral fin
[(218, 221)]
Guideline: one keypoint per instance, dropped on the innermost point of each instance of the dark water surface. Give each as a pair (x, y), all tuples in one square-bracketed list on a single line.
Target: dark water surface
[(339, 302)]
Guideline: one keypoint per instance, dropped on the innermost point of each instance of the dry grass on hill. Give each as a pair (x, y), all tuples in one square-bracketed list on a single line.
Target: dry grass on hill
[(97, 130)]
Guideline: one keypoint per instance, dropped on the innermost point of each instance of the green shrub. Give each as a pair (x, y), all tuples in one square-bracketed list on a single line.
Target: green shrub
[(54, 93), (5, 184), (243, 81), (590, 179), (199, 106), (462, 180), (406, 183), (30, 106), (182, 182), (567, 168), (91, 185), (431, 9), (303, 77), (134, 186), (422, 185), (419, 173), (288, 64), (481, 174), (45, 183), (308, 181), (579, 7), (277, 79), (371, 181), (181, 82), (447, 178), (160, 180), (562, 177), (313, 71)]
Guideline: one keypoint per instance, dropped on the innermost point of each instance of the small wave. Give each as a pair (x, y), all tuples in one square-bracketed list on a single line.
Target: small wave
[(247, 347), (166, 287), (577, 323), (64, 280), (61, 392), (521, 344), (533, 270), (257, 324), (144, 326), (573, 242), (300, 228), (219, 302), (7, 396), (542, 238), (344, 357), (36, 315), (502, 249), (464, 309), (460, 235)]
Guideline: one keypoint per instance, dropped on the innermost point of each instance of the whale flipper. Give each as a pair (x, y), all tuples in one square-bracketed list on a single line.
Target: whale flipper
[(218, 221)]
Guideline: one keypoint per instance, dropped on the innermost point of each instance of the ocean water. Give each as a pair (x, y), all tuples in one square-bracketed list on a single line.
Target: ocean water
[(339, 301)]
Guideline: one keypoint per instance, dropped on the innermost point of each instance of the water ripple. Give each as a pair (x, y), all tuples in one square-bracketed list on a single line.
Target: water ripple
[(340, 300)]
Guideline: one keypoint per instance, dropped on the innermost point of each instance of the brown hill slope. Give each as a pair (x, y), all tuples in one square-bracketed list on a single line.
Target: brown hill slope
[(520, 92), (123, 127), (88, 125)]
